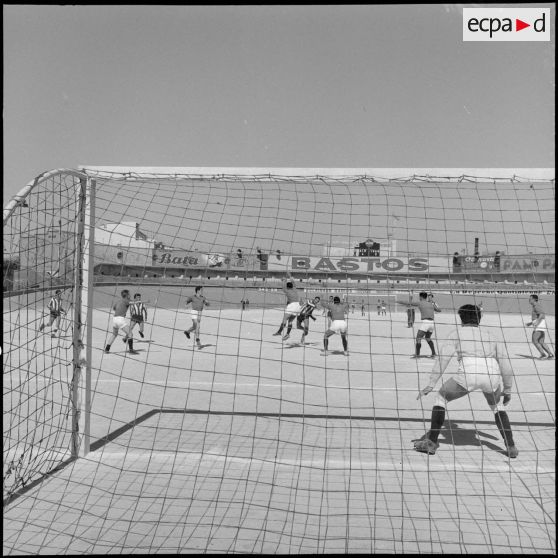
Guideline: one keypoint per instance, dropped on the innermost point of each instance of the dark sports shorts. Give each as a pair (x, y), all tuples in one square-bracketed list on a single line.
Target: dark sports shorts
[(55, 314), (137, 319)]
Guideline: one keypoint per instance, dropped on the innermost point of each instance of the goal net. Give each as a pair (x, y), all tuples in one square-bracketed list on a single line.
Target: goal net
[(159, 423)]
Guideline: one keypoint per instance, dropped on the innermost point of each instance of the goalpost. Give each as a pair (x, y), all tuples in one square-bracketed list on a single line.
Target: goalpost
[(253, 443)]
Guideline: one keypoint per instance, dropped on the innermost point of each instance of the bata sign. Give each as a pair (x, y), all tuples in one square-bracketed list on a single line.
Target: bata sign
[(366, 265)]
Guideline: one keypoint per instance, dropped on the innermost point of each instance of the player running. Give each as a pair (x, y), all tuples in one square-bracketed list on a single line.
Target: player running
[(338, 325), (55, 311), (293, 307), (427, 308), (198, 302), (538, 321), (138, 313), (120, 308), (363, 307), (483, 364), (305, 315)]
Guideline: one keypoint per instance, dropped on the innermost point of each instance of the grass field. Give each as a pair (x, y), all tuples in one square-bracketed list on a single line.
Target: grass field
[(257, 445)]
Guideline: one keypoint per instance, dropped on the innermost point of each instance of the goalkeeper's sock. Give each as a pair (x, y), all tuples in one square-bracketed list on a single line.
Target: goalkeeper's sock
[(326, 343), (436, 422), (345, 343), (503, 424), (417, 349)]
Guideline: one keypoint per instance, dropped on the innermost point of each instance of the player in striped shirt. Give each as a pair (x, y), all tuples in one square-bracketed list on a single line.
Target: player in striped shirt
[(427, 308), (55, 313), (338, 324), (138, 313), (293, 306), (305, 315), (483, 365), (538, 322), (198, 302)]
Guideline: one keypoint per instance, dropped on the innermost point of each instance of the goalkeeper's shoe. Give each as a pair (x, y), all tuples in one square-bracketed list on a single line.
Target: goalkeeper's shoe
[(426, 445), (187, 333), (141, 334), (513, 452)]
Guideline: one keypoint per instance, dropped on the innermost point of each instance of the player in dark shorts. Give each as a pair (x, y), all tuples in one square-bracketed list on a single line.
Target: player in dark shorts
[(303, 319), (410, 312), (138, 313), (55, 313)]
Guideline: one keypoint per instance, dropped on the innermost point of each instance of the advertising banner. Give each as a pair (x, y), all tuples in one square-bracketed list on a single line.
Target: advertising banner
[(533, 263), (184, 259), (364, 265)]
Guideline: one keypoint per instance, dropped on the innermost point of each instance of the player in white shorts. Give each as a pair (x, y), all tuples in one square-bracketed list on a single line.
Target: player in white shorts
[(483, 365), (198, 302), (338, 324), (538, 321), (427, 308), (293, 307), (119, 322)]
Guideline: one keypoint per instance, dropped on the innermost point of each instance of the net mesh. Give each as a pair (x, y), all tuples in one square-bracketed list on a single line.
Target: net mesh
[(255, 443)]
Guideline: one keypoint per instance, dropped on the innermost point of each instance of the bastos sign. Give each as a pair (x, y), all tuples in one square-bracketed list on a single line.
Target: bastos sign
[(364, 265)]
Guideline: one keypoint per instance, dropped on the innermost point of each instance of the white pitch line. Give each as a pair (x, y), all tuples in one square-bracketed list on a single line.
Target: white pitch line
[(425, 465)]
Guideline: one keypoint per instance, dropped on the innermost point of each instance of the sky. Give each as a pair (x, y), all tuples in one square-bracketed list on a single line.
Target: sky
[(268, 86)]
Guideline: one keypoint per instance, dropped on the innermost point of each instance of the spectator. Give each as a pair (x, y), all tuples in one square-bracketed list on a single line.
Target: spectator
[(497, 260), (456, 262), (239, 254)]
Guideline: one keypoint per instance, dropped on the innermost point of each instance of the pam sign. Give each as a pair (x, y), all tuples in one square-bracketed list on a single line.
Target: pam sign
[(506, 24), (358, 265)]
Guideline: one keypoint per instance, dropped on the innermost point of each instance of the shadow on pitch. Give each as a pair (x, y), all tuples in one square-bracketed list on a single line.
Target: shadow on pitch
[(530, 357), (453, 434)]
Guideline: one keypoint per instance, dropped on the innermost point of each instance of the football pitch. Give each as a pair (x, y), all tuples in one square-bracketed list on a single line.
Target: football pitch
[(254, 444)]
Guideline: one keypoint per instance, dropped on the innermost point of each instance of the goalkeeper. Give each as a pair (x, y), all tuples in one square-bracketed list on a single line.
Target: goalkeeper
[(483, 364)]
